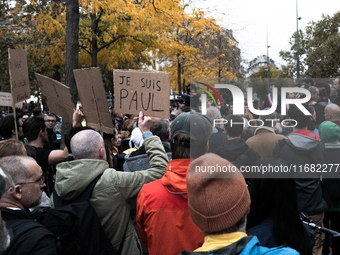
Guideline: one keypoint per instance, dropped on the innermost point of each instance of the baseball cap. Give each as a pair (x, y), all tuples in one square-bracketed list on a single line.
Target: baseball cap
[(194, 124)]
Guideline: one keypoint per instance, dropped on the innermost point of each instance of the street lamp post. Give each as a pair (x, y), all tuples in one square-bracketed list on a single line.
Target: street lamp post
[(297, 44), (268, 65)]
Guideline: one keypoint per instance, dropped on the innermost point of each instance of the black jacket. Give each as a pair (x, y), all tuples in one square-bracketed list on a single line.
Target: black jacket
[(320, 110), (330, 182), (217, 139), (300, 151), (237, 152), (27, 235)]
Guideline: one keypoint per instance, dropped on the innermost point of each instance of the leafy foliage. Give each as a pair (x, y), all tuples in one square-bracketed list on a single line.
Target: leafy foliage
[(119, 34), (202, 49), (319, 48)]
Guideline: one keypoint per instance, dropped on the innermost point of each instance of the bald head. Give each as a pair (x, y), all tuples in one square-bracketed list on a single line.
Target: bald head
[(332, 112), (88, 144)]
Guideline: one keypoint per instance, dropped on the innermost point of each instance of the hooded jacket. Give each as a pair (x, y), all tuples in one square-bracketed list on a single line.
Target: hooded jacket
[(246, 245), (163, 219), (300, 150), (113, 192), (237, 152)]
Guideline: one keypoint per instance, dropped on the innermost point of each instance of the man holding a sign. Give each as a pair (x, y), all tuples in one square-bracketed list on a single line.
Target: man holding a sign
[(114, 190)]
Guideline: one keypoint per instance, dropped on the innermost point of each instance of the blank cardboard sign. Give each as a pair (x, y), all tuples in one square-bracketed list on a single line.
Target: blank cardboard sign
[(93, 99), (58, 96), (18, 72), (6, 100), (139, 90)]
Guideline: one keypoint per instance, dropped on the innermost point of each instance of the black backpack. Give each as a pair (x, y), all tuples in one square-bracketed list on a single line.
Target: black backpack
[(76, 225)]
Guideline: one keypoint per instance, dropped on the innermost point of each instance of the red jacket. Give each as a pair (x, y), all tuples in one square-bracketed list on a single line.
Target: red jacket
[(163, 220)]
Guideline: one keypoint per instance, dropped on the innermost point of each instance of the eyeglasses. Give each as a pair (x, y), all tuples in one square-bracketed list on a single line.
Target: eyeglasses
[(41, 181)]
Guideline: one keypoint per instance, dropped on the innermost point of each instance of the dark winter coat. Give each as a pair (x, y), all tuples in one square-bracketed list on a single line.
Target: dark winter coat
[(301, 150), (238, 153), (27, 235)]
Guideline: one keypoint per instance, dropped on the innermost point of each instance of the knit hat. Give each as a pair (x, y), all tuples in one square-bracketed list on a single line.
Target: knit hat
[(217, 199), (136, 138), (329, 132), (194, 124)]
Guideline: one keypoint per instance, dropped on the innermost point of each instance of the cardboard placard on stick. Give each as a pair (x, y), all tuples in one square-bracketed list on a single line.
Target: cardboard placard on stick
[(6, 100), (93, 99), (18, 72), (140, 90), (58, 96)]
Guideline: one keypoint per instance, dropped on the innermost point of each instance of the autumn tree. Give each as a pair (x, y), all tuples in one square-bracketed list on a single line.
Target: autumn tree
[(223, 57), (118, 34), (203, 49), (319, 49), (13, 23), (185, 57), (121, 34)]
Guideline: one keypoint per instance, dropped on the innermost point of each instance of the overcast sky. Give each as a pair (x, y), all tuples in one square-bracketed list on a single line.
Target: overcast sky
[(249, 20)]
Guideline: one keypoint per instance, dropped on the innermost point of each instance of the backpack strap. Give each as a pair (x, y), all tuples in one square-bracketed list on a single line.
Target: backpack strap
[(84, 196)]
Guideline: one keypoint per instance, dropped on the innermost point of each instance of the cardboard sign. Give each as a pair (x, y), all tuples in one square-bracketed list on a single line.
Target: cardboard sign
[(18, 72), (146, 91), (58, 96), (6, 100), (93, 99)]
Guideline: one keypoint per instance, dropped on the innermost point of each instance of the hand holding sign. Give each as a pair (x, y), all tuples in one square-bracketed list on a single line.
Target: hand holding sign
[(144, 123)]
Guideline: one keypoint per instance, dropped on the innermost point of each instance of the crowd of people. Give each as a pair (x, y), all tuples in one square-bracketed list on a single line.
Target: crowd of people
[(154, 194)]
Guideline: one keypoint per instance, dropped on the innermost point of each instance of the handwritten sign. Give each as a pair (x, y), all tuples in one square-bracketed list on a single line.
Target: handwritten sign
[(17, 60), (58, 96), (6, 100), (93, 99), (139, 90)]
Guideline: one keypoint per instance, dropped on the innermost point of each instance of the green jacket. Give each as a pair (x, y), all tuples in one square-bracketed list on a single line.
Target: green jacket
[(113, 192)]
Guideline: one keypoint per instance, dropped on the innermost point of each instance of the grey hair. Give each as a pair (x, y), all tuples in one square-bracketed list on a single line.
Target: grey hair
[(312, 89), (16, 167), (213, 113), (86, 144)]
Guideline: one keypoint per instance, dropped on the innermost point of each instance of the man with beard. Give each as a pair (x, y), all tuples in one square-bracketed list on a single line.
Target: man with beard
[(28, 236)]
